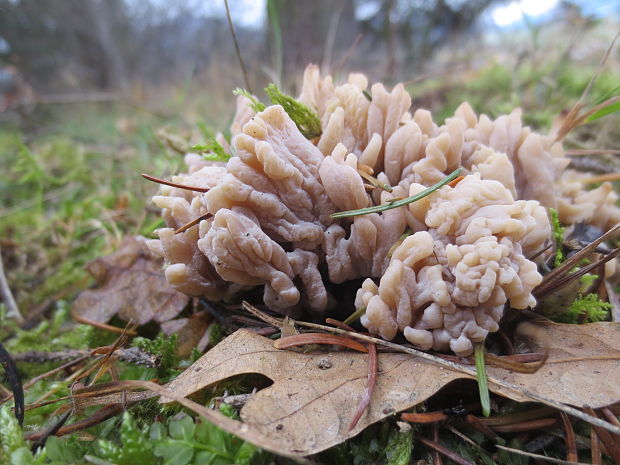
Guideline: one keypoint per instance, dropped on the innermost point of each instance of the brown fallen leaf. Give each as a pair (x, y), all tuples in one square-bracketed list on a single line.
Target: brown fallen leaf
[(314, 396), (131, 285), (583, 367)]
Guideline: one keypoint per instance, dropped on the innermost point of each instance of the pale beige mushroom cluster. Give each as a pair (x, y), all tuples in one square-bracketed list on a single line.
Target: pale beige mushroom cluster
[(470, 246)]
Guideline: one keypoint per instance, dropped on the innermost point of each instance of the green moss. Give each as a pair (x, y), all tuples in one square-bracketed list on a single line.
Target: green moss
[(307, 121)]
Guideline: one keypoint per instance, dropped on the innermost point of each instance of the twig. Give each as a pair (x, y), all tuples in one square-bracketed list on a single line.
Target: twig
[(237, 50), (7, 295), (537, 456), (130, 355), (399, 203), (373, 363), (445, 451)]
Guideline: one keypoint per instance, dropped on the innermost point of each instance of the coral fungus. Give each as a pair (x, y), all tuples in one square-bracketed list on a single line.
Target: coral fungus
[(267, 215)]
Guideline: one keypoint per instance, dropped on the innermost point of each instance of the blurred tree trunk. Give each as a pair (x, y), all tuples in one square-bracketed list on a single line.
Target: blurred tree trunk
[(304, 28), (101, 14)]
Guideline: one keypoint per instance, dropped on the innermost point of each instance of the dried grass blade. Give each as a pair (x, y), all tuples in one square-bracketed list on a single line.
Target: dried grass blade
[(445, 451), (573, 261), (512, 362), (318, 338), (611, 444), (562, 281), (373, 363), (571, 445)]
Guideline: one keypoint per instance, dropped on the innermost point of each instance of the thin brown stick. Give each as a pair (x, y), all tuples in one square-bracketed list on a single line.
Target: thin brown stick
[(476, 423), (105, 327), (173, 184), (526, 425), (571, 262), (571, 445), (611, 418), (538, 456), (436, 456), (318, 338), (194, 222), (595, 448), (373, 363), (271, 320), (499, 420), (445, 451), (611, 444), (567, 278), (338, 324), (237, 49), (423, 418)]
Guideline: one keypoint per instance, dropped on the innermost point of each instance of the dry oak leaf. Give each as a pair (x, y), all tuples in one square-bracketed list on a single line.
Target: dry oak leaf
[(313, 398), (130, 284), (583, 367)]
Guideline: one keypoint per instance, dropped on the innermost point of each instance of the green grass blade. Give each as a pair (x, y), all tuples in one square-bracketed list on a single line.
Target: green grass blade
[(481, 376)]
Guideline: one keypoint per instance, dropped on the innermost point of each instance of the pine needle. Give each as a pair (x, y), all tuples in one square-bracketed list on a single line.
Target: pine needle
[(399, 203)]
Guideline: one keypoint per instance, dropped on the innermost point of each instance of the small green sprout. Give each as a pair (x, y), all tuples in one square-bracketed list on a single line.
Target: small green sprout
[(255, 104), (212, 151)]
